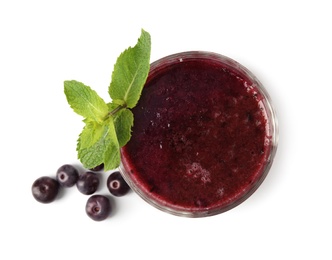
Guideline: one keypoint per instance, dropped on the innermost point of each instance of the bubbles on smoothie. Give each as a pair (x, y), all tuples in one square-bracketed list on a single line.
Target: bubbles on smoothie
[(266, 141), (258, 122), (220, 192), (196, 171), (201, 203), (248, 86), (216, 114), (235, 169)]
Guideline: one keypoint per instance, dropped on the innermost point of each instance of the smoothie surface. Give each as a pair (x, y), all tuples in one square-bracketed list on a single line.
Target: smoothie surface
[(200, 138)]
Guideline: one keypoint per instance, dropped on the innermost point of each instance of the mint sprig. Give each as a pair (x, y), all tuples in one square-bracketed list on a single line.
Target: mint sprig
[(108, 125)]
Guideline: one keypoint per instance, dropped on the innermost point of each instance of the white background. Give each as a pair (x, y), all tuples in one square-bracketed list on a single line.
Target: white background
[(287, 44)]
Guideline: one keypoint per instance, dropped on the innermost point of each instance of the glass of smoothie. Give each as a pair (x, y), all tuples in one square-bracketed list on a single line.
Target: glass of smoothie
[(204, 135)]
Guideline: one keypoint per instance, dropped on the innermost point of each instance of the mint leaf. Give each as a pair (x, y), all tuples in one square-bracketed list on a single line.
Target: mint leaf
[(91, 133), (85, 101), (111, 157), (104, 149), (123, 122), (130, 72), (93, 155), (112, 151)]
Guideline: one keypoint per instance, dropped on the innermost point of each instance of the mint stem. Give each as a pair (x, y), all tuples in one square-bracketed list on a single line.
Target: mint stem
[(117, 109)]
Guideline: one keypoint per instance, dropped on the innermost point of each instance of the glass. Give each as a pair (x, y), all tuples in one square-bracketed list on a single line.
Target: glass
[(216, 62)]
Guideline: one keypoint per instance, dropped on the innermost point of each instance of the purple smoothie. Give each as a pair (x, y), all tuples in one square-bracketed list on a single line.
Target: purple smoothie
[(203, 136)]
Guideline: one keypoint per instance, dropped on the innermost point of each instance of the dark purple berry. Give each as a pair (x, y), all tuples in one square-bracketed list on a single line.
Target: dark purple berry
[(67, 175), (98, 207), (97, 168), (45, 189), (117, 185), (87, 183)]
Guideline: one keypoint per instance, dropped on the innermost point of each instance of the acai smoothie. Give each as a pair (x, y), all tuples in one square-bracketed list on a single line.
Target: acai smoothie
[(204, 135)]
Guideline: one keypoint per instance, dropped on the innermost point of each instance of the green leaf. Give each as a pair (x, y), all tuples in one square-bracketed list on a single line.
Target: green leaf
[(123, 121), (93, 155), (85, 101), (112, 151), (99, 144), (111, 157), (91, 133), (112, 106), (130, 72)]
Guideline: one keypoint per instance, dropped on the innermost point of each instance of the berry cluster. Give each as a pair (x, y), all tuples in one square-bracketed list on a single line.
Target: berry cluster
[(98, 207)]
